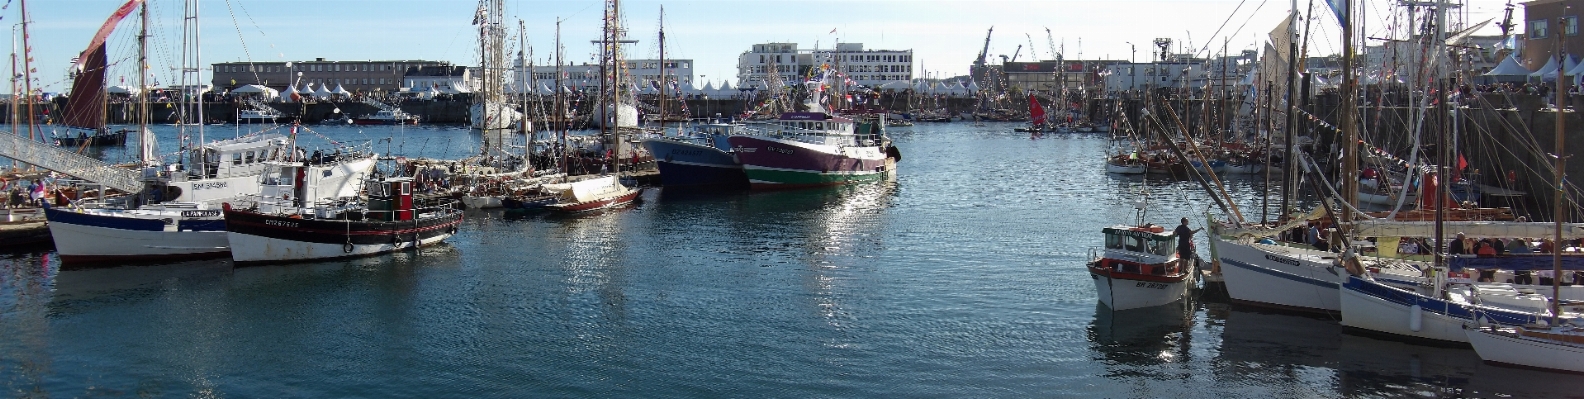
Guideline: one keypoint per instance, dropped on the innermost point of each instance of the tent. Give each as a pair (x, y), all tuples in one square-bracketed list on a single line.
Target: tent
[(256, 91), (307, 90), (971, 89), (340, 91), (709, 89), (290, 95), (1548, 72), (323, 92), (1508, 71), (726, 91), (895, 85)]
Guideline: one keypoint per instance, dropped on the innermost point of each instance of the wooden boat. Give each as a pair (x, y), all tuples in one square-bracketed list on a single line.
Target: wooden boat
[(1558, 348), (590, 195)]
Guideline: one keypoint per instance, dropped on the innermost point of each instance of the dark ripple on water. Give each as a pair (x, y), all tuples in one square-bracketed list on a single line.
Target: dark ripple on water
[(961, 278)]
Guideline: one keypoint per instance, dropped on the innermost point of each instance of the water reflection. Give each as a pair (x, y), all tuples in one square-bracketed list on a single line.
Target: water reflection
[(1134, 342)]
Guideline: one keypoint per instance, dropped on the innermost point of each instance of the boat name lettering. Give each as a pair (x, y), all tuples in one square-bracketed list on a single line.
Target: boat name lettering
[(744, 149), (200, 214), (1146, 284), (1293, 262), (787, 151), (281, 223), (209, 185), (687, 152)]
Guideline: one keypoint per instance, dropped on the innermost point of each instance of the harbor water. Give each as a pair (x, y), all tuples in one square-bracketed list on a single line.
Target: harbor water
[(961, 277)]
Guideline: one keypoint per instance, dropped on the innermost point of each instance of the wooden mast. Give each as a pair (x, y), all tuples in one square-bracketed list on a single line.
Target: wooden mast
[(663, 78)]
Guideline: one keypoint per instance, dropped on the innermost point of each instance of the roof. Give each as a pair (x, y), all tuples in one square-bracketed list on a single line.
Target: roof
[(437, 70)]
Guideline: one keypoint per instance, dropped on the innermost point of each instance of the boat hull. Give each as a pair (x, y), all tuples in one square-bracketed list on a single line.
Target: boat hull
[(81, 237), (688, 164), (597, 204), (1260, 277), (1119, 292), (1369, 305), (1125, 169), (772, 163), (1513, 349), (383, 122), (98, 139), (259, 238)]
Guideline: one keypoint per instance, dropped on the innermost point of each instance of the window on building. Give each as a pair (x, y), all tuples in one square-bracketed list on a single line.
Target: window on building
[(1570, 26), (1537, 29)]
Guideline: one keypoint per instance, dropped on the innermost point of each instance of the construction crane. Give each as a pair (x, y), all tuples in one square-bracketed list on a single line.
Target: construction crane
[(1014, 55), (1032, 54), (1051, 39), (979, 62)]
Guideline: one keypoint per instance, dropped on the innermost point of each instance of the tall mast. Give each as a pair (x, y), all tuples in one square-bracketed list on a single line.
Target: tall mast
[(1349, 125), (144, 147), (1288, 167), (1560, 158), (27, 72), (560, 106), (663, 79)]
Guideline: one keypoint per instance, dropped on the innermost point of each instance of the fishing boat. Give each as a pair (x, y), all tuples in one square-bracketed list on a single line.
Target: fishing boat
[(257, 114), (699, 158), (282, 227), (590, 195), (22, 228), (1125, 164), (813, 149), (1139, 268)]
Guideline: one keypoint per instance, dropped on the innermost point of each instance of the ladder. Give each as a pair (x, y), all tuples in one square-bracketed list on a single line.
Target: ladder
[(54, 158)]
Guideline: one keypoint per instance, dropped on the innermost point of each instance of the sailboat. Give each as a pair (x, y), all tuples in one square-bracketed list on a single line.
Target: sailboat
[(172, 217), (84, 118), (490, 112)]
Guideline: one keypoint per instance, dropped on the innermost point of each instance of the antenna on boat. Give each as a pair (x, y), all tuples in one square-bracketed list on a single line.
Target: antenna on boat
[(1141, 207)]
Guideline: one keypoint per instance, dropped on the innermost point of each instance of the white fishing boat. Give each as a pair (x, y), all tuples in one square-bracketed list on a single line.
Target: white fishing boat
[(1557, 348), (1138, 268)]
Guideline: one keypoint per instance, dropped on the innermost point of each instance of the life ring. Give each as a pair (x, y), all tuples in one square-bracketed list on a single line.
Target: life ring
[(347, 248)]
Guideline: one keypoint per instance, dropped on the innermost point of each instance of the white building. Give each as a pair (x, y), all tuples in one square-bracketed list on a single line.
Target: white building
[(864, 67), (442, 79), (1142, 76), (644, 73)]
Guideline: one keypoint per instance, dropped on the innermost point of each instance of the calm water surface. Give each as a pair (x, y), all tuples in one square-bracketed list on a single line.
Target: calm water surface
[(962, 278)]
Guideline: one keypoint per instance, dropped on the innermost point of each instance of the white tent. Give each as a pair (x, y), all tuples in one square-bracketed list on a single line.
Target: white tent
[(307, 90), (291, 92), (972, 88), (1549, 71), (688, 89), (726, 91), (323, 92), (340, 91), (1509, 70), (957, 89), (709, 89), (257, 90), (895, 85), (544, 90)]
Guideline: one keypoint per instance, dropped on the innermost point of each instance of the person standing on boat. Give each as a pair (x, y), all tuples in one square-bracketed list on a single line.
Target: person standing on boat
[(1185, 239)]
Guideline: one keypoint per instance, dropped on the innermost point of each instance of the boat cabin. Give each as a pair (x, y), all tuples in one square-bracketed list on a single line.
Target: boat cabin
[(237, 157), (391, 199), (1148, 240)]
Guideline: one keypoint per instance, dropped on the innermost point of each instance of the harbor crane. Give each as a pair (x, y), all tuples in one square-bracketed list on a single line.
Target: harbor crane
[(1032, 54), (1014, 55), (979, 62)]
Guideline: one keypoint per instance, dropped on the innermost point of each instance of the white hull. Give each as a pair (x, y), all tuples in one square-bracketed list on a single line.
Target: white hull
[(1367, 312), (1510, 348), (482, 202), (1386, 200), (98, 242), (253, 248), (497, 116), (1245, 169), (1136, 169), (1121, 294), (1278, 276)]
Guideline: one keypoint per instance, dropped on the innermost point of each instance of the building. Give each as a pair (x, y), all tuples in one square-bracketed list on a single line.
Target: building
[(645, 73), (863, 67), (354, 76), (1125, 76), (1044, 76), (441, 79), (1544, 22)]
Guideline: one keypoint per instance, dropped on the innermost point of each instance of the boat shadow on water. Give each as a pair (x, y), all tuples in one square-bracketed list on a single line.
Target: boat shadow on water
[(1261, 345)]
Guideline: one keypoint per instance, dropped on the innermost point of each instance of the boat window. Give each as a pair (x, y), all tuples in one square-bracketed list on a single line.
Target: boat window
[(1164, 247), (1135, 244), (236, 158), (819, 125), (1113, 241), (250, 157)]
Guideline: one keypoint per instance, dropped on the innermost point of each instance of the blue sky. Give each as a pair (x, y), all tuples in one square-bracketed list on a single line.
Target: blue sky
[(944, 35)]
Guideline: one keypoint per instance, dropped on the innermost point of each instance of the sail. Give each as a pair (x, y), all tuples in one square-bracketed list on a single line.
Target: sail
[(1036, 112), (85, 106)]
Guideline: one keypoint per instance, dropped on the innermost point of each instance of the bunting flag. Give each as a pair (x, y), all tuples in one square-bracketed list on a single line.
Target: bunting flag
[(1340, 7)]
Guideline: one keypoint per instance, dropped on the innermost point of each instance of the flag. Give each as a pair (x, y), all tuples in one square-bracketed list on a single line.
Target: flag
[(480, 15), (1340, 7), (1462, 163), (833, 31)]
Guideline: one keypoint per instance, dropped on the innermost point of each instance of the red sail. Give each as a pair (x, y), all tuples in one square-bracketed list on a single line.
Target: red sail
[(1036, 112), (85, 106)]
